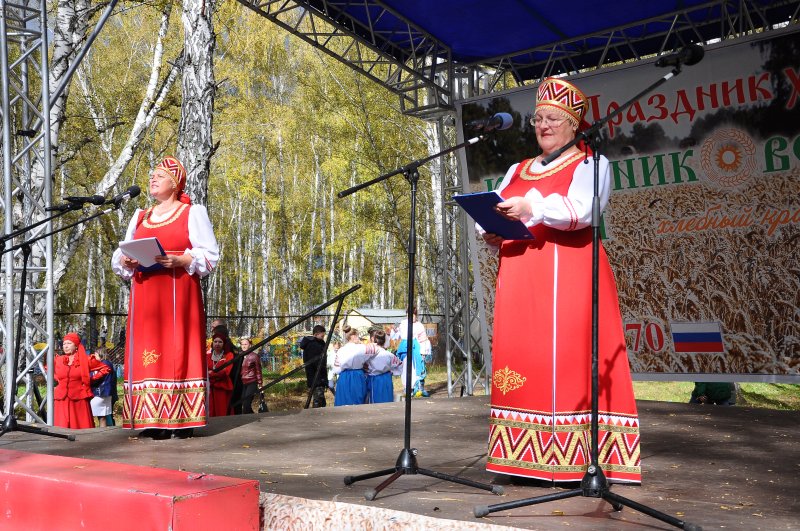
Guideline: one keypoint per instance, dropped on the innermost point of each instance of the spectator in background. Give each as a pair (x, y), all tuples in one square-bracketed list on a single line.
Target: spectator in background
[(219, 326), (351, 386), (105, 392), (421, 348), (313, 347), (333, 348), (220, 385), (72, 394), (717, 393), (380, 369), (251, 378), (394, 337)]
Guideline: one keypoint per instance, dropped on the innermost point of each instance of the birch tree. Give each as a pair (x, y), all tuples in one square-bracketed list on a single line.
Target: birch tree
[(106, 126), (195, 140)]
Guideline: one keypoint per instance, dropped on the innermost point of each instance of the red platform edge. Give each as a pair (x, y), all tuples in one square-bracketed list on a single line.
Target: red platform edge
[(52, 492)]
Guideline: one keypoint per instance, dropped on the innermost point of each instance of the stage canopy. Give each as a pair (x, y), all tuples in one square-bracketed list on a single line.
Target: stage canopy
[(449, 49)]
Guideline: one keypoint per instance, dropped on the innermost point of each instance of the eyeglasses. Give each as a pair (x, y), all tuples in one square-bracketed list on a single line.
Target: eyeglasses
[(539, 121)]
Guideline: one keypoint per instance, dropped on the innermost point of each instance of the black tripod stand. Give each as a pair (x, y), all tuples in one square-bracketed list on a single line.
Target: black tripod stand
[(10, 423), (407, 460), (594, 483)]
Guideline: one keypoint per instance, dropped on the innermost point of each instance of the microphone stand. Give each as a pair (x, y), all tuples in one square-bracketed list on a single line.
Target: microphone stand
[(594, 483), (10, 423), (407, 461)]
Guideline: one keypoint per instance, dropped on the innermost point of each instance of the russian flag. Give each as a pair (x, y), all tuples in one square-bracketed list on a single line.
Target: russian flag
[(697, 337)]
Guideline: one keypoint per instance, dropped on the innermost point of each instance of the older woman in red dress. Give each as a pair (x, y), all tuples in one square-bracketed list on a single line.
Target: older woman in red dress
[(540, 423), (73, 393), (165, 362)]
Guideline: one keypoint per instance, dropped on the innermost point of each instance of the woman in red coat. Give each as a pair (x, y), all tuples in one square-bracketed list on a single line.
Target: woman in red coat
[(220, 384), (72, 394)]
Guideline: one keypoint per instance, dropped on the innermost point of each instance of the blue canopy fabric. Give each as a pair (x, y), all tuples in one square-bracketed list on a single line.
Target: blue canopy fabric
[(480, 31)]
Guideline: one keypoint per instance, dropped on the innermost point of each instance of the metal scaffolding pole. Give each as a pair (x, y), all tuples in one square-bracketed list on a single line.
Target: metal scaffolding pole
[(26, 193), (464, 357)]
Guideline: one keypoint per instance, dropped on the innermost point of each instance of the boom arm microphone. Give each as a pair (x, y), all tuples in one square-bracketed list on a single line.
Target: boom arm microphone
[(130, 193), (497, 122), (76, 202), (688, 55), (95, 199)]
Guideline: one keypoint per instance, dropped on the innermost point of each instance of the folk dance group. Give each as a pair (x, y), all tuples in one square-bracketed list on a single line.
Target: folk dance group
[(539, 423)]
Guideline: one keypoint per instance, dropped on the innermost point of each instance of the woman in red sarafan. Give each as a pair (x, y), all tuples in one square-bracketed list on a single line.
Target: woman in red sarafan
[(73, 393), (165, 362), (540, 422)]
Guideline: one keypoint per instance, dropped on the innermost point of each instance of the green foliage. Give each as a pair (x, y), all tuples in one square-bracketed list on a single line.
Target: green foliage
[(294, 127)]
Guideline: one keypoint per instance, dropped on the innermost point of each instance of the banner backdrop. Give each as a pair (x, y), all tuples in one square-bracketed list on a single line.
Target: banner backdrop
[(703, 226)]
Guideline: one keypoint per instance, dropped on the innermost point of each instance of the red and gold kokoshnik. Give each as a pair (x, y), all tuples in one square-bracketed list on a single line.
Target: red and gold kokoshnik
[(562, 96), (173, 167)]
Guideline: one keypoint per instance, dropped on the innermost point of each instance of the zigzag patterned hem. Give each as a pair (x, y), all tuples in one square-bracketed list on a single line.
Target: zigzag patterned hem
[(164, 404), (557, 447)]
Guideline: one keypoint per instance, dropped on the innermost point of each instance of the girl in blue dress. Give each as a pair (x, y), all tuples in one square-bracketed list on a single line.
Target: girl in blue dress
[(380, 369), (349, 364)]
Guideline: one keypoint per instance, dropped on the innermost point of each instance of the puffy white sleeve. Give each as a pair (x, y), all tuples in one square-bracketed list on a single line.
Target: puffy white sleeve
[(123, 272), (204, 251), (419, 332), (403, 329), (574, 210), (354, 356), (383, 361)]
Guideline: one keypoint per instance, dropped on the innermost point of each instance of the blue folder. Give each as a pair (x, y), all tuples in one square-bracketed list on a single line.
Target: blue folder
[(480, 207)]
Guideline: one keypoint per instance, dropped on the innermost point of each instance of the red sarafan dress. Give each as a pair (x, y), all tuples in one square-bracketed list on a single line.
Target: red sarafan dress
[(540, 424), (165, 358)]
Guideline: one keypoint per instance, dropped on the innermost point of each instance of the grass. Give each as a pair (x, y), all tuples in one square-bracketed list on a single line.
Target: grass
[(762, 395)]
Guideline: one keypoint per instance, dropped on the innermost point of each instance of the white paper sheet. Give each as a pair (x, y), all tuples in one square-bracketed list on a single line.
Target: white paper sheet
[(144, 250)]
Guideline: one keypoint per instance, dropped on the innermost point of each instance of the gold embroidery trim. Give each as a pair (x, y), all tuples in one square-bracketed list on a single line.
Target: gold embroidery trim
[(152, 225), (507, 380), (528, 175), (149, 357)]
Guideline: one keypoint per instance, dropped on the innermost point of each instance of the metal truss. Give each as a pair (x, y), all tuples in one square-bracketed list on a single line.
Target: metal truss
[(466, 361), (26, 193), (717, 20), (379, 43), (27, 180), (389, 49)]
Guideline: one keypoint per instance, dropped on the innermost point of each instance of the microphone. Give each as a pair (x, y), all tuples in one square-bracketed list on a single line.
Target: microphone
[(130, 193), (498, 122), (688, 55), (95, 199), (76, 202)]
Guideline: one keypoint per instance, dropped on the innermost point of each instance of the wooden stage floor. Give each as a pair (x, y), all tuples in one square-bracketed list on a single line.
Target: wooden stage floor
[(717, 467)]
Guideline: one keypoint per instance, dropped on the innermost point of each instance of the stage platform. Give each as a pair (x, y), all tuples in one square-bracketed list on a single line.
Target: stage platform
[(717, 467)]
